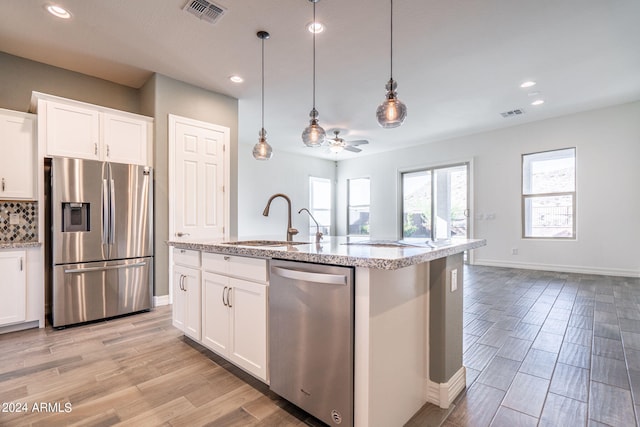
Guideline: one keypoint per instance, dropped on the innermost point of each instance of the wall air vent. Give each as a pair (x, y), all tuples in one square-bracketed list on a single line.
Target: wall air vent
[(512, 113), (205, 10)]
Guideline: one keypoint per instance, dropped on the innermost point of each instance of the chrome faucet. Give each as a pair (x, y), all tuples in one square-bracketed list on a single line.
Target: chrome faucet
[(290, 230), (318, 232)]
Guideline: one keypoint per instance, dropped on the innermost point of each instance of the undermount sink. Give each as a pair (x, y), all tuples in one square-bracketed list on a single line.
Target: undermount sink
[(264, 243)]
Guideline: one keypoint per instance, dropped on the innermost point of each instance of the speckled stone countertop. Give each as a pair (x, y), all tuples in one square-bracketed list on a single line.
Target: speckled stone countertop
[(384, 254), (19, 245)]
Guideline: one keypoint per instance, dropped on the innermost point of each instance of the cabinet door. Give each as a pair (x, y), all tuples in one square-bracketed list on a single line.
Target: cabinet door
[(193, 316), (18, 159), (13, 287), (215, 313), (72, 131), (179, 298), (124, 139), (248, 303)]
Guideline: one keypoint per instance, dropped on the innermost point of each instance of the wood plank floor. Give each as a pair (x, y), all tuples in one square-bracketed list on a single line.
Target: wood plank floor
[(135, 371), (541, 349)]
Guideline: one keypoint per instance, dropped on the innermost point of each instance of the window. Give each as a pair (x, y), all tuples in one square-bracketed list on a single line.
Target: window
[(435, 203), (320, 205), (359, 199), (549, 194)]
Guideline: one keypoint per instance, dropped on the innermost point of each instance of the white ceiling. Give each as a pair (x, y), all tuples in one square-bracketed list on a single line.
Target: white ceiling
[(458, 63)]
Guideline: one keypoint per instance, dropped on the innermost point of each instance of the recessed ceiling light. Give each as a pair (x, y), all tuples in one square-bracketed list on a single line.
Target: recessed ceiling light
[(236, 79), (534, 93), (315, 27), (538, 102), (58, 11), (528, 84)]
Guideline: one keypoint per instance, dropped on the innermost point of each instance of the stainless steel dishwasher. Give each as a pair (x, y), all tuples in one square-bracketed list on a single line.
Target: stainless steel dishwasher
[(311, 312)]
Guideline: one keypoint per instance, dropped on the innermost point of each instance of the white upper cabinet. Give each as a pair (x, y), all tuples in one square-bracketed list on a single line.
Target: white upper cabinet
[(124, 139), (17, 161), (79, 130), (71, 131)]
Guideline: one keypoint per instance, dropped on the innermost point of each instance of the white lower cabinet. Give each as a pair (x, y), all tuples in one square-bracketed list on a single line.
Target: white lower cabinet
[(187, 293), (13, 287), (221, 301), (234, 313)]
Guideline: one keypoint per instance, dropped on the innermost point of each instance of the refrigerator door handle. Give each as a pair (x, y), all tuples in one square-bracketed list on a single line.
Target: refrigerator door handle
[(112, 216), (105, 212), (109, 267)]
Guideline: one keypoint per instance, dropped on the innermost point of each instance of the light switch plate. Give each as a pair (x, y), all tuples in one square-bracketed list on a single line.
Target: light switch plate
[(14, 219), (454, 280)]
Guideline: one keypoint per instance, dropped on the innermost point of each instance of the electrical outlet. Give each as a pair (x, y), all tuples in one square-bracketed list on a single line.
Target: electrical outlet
[(514, 251), (454, 280), (14, 219)]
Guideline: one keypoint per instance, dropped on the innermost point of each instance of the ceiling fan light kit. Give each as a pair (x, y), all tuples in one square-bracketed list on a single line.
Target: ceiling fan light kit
[(314, 135), (392, 112), (262, 150)]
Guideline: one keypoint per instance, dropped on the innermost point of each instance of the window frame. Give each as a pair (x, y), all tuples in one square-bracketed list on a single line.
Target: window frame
[(350, 206), (530, 195)]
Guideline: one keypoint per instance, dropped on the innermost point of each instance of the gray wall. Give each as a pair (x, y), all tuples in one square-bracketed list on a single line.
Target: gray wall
[(157, 98), (162, 96), (19, 77)]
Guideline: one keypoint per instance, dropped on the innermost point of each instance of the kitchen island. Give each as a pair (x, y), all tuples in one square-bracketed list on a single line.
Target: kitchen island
[(408, 317)]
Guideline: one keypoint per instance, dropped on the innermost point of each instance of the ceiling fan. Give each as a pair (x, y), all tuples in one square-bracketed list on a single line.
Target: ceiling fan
[(337, 144)]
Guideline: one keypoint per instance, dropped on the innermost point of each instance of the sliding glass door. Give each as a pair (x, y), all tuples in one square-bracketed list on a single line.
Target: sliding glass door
[(435, 202)]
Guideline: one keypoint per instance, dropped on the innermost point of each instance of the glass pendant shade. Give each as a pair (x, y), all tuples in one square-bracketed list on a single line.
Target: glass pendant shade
[(392, 112), (262, 150), (313, 135)]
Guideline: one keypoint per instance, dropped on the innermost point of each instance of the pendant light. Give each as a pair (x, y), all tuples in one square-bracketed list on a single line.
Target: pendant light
[(392, 112), (314, 135), (262, 150)]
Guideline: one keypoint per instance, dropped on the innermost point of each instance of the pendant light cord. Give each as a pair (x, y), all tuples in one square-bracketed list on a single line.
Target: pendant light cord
[(391, 50), (263, 84), (314, 56)]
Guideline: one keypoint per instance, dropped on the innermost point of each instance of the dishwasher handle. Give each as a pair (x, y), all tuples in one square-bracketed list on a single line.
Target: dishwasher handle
[(307, 276)]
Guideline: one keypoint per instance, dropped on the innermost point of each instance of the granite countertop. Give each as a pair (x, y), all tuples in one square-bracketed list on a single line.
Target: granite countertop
[(18, 245), (338, 250)]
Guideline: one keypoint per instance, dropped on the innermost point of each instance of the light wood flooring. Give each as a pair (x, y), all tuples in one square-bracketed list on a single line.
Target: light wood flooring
[(546, 349), (131, 371)]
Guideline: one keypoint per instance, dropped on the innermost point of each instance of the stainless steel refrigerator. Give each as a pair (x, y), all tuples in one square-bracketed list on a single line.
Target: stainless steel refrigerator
[(101, 239)]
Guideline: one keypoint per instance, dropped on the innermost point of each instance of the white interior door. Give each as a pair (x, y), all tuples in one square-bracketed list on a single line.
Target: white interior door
[(200, 174)]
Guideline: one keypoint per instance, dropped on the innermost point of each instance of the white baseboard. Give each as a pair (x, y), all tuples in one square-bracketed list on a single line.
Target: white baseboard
[(559, 268), (443, 394), (160, 300)]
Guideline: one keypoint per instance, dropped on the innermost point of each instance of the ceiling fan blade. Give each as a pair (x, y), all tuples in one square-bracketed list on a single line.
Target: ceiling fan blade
[(358, 142), (352, 149)]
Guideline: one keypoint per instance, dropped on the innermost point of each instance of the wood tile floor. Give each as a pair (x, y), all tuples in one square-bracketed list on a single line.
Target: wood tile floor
[(546, 349), (132, 371), (549, 349)]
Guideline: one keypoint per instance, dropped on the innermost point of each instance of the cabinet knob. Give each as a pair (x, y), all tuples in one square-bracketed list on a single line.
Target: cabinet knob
[(227, 258)]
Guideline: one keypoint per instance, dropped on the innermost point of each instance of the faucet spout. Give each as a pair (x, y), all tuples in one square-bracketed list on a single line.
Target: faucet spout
[(290, 230), (318, 232)]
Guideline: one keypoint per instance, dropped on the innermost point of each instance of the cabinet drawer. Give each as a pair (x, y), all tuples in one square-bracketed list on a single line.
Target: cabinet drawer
[(248, 268), (242, 267), (186, 257)]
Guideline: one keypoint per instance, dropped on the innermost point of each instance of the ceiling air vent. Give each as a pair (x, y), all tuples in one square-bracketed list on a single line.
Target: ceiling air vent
[(205, 10), (512, 113)]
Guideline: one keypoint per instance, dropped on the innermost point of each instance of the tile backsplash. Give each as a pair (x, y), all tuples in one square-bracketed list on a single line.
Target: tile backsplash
[(27, 215)]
